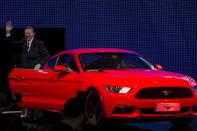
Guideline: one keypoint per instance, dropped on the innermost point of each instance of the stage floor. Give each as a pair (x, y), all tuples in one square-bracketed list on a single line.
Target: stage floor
[(13, 123)]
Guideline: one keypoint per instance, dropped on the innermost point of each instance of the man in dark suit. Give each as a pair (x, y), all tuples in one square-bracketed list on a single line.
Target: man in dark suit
[(34, 53)]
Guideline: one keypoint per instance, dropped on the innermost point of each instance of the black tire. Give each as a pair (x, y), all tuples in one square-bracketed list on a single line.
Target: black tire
[(94, 109)]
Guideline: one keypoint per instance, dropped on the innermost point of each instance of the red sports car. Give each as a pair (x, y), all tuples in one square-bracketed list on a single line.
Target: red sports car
[(117, 83)]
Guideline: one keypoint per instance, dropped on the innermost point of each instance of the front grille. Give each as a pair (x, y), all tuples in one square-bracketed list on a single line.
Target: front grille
[(152, 111), (164, 93)]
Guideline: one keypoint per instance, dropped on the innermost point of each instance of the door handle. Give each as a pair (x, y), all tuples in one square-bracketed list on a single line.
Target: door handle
[(18, 78)]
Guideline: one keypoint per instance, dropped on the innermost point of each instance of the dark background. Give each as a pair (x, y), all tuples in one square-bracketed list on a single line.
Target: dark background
[(54, 38), (163, 31)]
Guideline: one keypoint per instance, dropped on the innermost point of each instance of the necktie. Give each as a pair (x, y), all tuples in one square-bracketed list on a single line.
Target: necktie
[(28, 46)]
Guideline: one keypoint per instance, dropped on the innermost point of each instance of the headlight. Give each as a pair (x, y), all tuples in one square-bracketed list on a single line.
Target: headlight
[(194, 88), (117, 89)]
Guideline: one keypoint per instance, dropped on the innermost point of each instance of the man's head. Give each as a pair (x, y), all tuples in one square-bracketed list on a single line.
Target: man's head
[(73, 108), (73, 113), (29, 33)]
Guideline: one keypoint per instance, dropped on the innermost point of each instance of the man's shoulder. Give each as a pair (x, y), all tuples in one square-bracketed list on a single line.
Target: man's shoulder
[(38, 41)]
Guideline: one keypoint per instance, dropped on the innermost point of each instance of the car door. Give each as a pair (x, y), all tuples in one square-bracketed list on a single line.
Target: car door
[(63, 85), (44, 89), (31, 84)]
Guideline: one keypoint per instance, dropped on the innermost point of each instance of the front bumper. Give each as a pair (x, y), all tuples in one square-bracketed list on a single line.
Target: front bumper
[(133, 108)]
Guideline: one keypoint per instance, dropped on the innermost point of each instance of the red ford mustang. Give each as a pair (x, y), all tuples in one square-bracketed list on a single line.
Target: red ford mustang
[(118, 84)]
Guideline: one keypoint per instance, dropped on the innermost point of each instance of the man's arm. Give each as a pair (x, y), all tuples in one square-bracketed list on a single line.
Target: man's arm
[(44, 54), (14, 46), (8, 28)]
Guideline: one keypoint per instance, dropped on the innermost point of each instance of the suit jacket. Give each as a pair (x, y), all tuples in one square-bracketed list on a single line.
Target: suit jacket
[(38, 54)]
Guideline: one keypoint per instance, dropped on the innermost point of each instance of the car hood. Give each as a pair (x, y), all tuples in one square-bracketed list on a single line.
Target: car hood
[(139, 77)]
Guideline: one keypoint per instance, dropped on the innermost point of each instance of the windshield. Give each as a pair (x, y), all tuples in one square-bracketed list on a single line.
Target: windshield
[(113, 60)]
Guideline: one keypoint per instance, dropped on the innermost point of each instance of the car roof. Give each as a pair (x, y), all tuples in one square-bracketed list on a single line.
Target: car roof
[(93, 50)]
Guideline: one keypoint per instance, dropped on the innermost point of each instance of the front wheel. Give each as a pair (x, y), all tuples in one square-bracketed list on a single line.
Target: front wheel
[(94, 108)]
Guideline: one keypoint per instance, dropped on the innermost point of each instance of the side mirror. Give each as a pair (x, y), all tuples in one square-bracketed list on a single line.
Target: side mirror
[(159, 67), (60, 68)]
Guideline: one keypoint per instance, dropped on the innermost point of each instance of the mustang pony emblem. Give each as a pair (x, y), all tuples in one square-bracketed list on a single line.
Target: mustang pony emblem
[(166, 92), (168, 107)]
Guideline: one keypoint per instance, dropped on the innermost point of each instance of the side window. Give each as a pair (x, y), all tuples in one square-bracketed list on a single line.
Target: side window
[(68, 60), (52, 62)]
